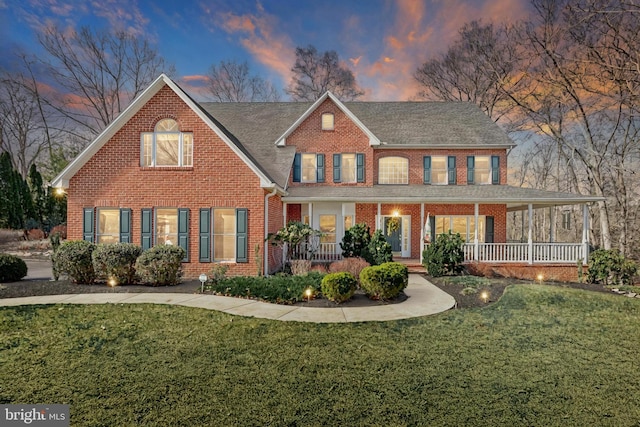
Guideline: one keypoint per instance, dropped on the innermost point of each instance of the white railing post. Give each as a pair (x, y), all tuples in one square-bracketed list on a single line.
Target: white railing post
[(530, 238), (475, 233)]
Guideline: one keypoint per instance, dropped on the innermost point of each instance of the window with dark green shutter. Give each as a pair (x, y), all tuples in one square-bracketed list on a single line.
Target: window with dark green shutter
[(183, 231), (426, 163), (336, 167), (470, 169), (320, 168), (360, 167), (495, 169), (87, 224), (204, 236), (125, 225), (297, 167), (146, 235)]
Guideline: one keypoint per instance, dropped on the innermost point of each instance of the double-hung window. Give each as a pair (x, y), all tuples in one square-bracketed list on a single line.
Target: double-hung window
[(393, 170), (223, 235), (165, 226), (167, 146), (348, 167), (483, 170), (308, 167), (106, 225), (440, 170)]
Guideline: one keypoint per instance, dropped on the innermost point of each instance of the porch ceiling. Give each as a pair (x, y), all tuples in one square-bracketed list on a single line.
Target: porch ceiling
[(516, 198)]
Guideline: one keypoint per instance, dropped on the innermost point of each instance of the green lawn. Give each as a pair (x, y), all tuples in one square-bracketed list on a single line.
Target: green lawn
[(540, 356)]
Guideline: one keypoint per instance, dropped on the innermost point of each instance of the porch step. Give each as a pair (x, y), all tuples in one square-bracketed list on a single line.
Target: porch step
[(413, 265)]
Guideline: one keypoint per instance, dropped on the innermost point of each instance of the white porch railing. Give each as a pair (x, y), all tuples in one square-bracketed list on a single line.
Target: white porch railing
[(319, 252), (536, 253)]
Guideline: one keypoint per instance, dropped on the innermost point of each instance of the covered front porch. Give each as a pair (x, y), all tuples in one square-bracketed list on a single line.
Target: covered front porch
[(422, 212)]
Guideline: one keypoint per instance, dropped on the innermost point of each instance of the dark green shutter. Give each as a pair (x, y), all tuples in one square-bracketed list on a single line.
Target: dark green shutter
[(183, 231), (87, 224), (360, 167), (471, 161), (320, 168), (297, 167), (451, 170), (125, 225), (146, 239), (336, 167), (204, 241), (242, 237), (495, 169), (488, 233), (432, 225), (426, 162)]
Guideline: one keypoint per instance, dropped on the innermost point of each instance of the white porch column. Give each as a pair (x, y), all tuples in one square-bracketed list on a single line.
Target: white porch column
[(422, 231), (585, 234), (530, 238), (284, 213), (476, 247), (379, 222), (552, 225), (310, 215)]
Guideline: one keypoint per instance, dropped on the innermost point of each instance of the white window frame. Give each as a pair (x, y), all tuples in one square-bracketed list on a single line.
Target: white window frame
[(468, 236), (214, 235), (328, 121), (149, 144), (444, 170), (352, 170), (386, 179), (99, 235), (165, 237), (329, 236), (314, 175), (477, 171)]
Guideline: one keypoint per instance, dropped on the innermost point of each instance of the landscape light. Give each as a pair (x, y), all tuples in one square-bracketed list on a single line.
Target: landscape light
[(540, 278), (484, 295), (203, 278), (308, 293), (112, 282)]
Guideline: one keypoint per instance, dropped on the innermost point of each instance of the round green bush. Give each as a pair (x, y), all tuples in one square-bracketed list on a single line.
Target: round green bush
[(161, 265), (384, 281), (338, 287), (12, 268), (73, 258), (116, 261)]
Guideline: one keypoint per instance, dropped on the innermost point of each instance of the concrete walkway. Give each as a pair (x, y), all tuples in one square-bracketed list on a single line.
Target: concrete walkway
[(424, 299)]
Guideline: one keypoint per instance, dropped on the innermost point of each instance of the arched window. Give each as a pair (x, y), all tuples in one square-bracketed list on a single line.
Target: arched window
[(393, 170), (167, 146)]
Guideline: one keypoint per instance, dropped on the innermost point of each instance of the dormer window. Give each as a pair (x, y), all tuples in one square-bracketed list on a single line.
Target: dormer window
[(327, 121), (166, 146)]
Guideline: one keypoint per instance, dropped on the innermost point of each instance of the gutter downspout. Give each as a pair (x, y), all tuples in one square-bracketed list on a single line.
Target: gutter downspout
[(265, 261)]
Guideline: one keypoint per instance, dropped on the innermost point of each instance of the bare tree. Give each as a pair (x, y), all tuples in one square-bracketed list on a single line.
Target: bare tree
[(98, 73), (315, 73), (230, 81)]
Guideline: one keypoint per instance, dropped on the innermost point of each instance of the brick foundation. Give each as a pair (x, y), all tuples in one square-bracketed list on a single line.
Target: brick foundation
[(549, 272)]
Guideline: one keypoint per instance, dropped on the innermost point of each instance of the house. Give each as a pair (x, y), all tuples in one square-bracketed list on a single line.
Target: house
[(216, 178)]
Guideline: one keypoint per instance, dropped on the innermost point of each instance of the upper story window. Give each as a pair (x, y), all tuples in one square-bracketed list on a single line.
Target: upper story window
[(483, 170), (348, 167), (308, 167), (327, 121), (167, 146), (393, 170), (440, 170)]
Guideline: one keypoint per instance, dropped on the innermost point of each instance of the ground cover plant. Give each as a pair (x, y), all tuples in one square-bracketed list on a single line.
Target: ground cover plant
[(541, 356)]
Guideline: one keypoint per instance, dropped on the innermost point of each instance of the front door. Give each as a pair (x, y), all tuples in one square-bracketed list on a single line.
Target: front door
[(397, 232)]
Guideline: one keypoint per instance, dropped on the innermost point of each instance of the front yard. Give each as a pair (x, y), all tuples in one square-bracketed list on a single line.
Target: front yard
[(541, 355)]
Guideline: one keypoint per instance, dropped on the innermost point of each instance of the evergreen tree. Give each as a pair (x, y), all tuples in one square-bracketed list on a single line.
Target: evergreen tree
[(38, 195)]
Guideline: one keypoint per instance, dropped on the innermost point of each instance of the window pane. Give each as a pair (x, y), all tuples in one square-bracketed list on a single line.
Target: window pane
[(348, 168), (167, 149), (167, 125), (328, 226), (442, 224), (167, 226), (327, 121), (147, 149), (393, 170), (439, 170), (224, 234), (482, 170), (460, 226), (348, 222), (309, 167), (108, 225), (187, 149)]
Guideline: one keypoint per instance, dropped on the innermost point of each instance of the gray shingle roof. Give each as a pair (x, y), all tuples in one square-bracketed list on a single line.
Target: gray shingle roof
[(255, 126), (514, 197)]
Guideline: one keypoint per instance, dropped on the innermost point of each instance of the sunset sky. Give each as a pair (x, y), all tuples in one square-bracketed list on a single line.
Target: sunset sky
[(382, 41)]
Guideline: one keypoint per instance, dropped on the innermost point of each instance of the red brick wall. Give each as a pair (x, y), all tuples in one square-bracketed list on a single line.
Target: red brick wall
[(114, 178), (549, 272)]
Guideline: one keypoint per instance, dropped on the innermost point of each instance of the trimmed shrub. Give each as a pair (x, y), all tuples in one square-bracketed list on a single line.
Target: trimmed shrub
[(12, 268), (379, 249), (73, 258), (338, 287), (350, 265), (116, 261), (355, 242), (610, 267), (161, 265), (384, 281), (445, 255), (281, 289)]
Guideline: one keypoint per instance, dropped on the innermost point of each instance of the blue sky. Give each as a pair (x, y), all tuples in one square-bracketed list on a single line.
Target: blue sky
[(382, 41)]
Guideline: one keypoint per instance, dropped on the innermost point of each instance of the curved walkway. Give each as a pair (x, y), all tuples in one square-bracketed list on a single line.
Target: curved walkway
[(424, 299)]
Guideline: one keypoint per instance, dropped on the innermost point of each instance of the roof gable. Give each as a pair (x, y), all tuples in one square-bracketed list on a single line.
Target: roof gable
[(373, 139), (62, 180)]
